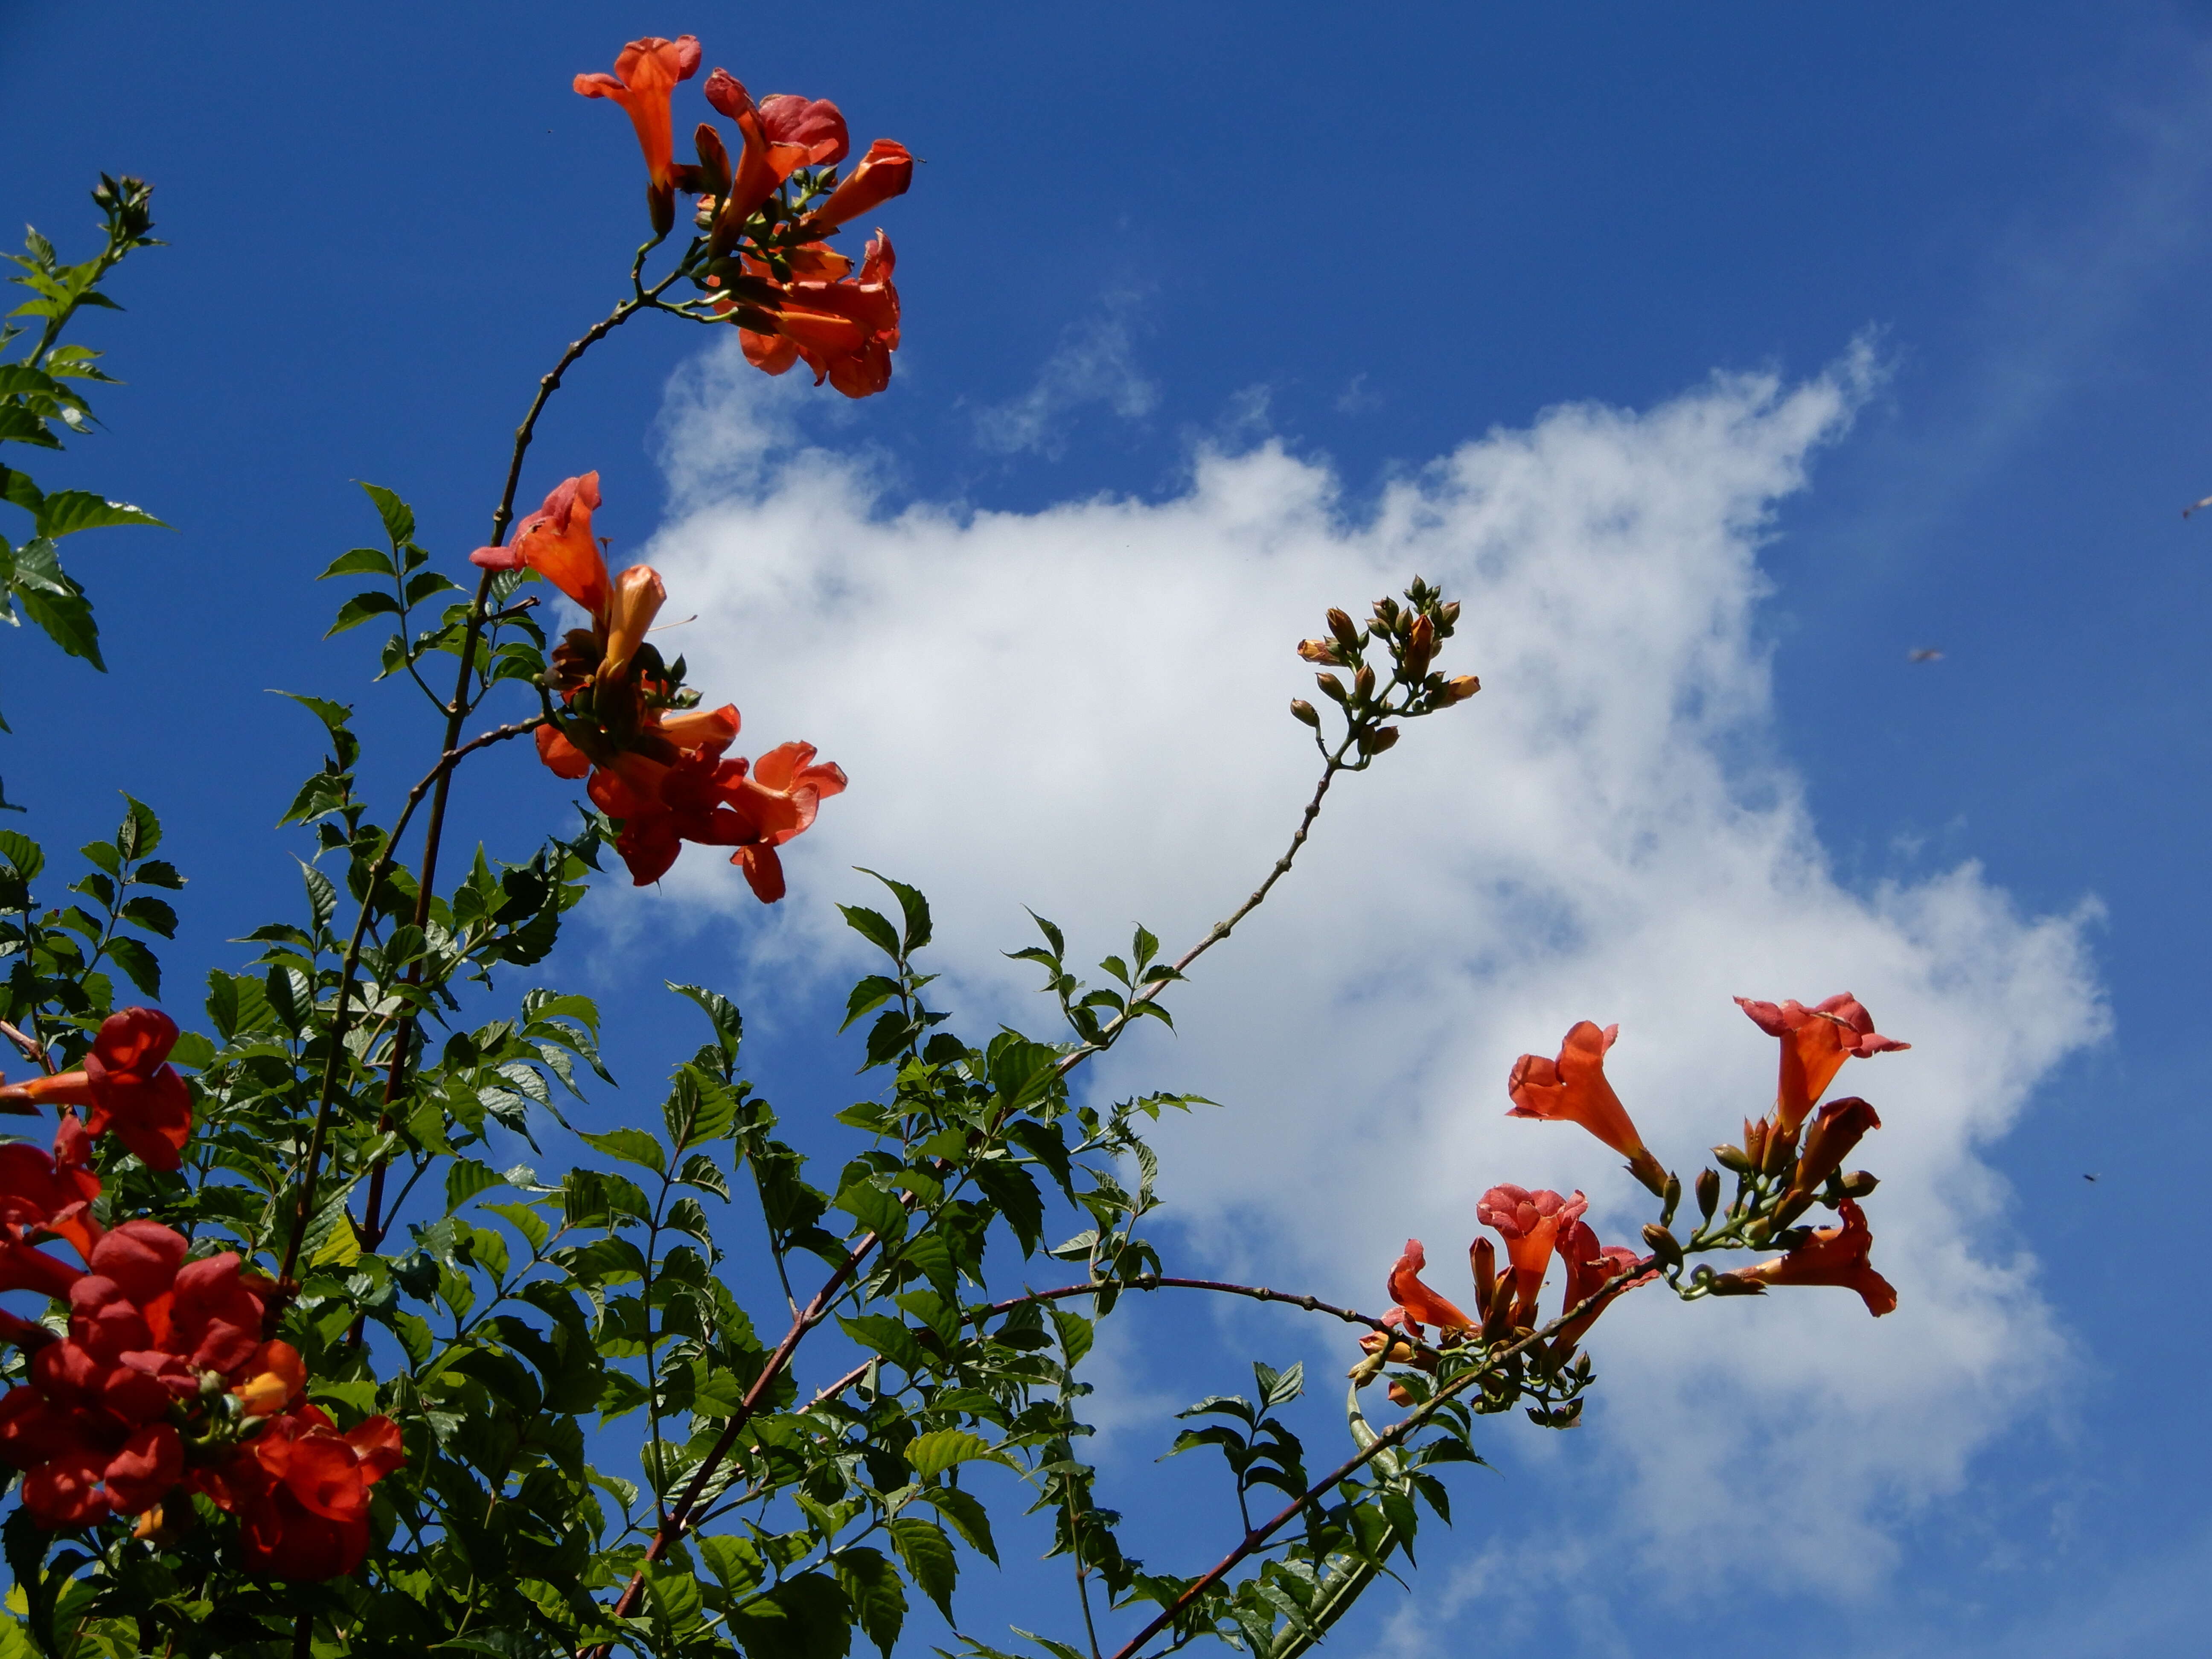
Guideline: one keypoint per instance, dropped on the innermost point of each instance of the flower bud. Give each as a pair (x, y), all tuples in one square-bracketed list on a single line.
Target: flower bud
[(1859, 1182), (1708, 1193), (1374, 743), (1448, 612), (1463, 687), (1342, 626), (1317, 651), (1363, 682), (1662, 1245), (1482, 1260), (1304, 713), (1331, 687), (1754, 1144), (1731, 1158), (1671, 1199), (1421, 647)]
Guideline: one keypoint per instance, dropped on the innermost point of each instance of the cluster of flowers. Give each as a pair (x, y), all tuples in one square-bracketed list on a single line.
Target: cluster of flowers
[(656, 762), (165, 1384), (1537, 1225), (769, 264)]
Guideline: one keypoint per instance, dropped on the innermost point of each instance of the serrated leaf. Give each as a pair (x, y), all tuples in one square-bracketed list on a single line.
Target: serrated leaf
[(399, 517), (968, 1516), (872, 927), (138, 963), (914, 910), (67, 511), (870, 995), (928, 1558), (632, 1146), (941, 1449), (872, 1588), (360, 608), (360, 561), (464, 1178)]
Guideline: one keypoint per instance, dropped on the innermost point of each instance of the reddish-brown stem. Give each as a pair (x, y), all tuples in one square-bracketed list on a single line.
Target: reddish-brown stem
[(1163, 1282), (1257, 1537)]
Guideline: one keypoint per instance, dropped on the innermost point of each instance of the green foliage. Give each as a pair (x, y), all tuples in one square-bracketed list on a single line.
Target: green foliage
[(39, 401)]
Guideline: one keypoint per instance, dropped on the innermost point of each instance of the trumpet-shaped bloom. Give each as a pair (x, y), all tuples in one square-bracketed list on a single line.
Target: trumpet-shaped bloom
[(1591, 1267), (129, 1085), (299, 1490), (95, 1428), (1573, 1089), (1833, 1255), (39, 1194), (1419, 1303), (779, 800), (885, 171), (636, 600), (816, 125), (556, 541), (646, 74), (1529, 1222), (844, 330), (1815, 1044), (1839, 1126)]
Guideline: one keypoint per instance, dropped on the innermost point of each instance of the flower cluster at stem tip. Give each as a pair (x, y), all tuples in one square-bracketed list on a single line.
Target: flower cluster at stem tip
[(656, 760), (164, 1383), (766, 213), (1788, 1160)]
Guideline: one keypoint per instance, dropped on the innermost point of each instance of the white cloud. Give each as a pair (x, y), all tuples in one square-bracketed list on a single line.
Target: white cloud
[(1095, 362), (1083, 709)]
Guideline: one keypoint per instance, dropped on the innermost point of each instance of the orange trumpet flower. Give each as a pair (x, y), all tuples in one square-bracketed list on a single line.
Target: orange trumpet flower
[(1833, 1255), (646, 74), (127, 1083), (1573, 1089), (887, 170), (1530, 1224), (556, 542), (1419, 1304), (1815, 1044)]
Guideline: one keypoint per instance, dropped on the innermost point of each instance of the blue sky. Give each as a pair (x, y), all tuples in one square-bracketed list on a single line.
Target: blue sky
[(1145, 236)]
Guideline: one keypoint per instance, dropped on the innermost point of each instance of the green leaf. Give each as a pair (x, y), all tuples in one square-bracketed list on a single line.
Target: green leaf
[(360, 608), (729, 1024), (141, 832), (399, 517), (55, 603), (322, 895), (18, 425), (873, 1208), (968, 1516), (151, 914), (872, 1588), (67, 511), (360, 562), (914, 910), (880, 1334), (927, 1554), (870, 995), (137, 963), (941, 1449), (25, 857), (802, 1618), (464, 1178), (872, 927), (1076, 1334), (631, 1146)]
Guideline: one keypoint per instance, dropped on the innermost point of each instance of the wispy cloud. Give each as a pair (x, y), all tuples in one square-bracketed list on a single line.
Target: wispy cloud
[(1082, 708), (1095, 362)]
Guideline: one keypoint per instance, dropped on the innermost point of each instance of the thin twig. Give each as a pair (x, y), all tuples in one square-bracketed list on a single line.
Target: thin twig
[(1162, 1282), (1257, 1537), (33, 1051), (342, 1012)]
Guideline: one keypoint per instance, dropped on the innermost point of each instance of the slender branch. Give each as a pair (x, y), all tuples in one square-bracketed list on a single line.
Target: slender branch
[(33, 1051), (342, 1012), (1387, 1439), (1334, 764), (1162, 1282), (395, 1082), (679, 1517)]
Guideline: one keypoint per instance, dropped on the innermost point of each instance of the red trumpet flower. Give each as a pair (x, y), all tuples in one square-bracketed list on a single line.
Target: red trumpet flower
[(886, 171), (646, 74), (299, 1490), (1529, 1222), (556, 542), (1591, 1267), (1815, 1044), (845, 332), (1833, 1255), (126, 1082), (1419, 1303), (1573, 1089)]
